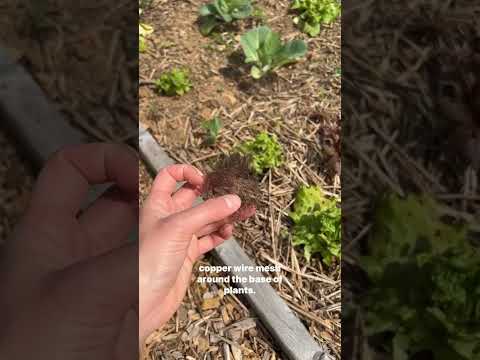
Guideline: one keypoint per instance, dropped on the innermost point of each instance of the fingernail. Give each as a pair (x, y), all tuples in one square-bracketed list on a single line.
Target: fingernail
[(198, 171), (233, 201)]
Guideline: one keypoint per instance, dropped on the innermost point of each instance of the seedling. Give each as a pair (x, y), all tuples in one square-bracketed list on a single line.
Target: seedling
[(223, 11), (264, 49), (317, 224), (314, 13), (175, 82), (212, 127), (144, 31), (265, 152), (232, 176)]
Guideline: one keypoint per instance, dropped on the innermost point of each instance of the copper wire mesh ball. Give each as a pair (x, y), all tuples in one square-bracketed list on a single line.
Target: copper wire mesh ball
[(232, 176)]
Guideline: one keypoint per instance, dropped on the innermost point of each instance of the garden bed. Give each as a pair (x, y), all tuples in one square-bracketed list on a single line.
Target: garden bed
[(300, 104), (65, 54), (411, 162)]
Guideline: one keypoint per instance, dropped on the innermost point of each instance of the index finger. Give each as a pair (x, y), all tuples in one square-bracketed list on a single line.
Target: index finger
[(63, 183), (158, 202), (167, 179)]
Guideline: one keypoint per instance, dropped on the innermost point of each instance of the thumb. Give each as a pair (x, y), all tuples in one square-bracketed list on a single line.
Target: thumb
[(194, 219)]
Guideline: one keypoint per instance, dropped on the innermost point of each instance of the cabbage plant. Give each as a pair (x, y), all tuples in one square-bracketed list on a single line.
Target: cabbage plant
[(264, 49), (223, 11)]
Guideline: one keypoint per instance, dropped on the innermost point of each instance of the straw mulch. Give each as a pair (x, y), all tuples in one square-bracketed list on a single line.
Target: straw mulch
[(301, 105), (408, 70), (16, 182), (63, 45)]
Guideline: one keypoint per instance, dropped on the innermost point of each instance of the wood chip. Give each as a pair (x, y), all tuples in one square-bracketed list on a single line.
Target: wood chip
[(212, 303)]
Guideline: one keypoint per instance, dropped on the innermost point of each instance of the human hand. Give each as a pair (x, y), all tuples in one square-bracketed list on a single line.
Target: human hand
[(173, 235), (70, 278)]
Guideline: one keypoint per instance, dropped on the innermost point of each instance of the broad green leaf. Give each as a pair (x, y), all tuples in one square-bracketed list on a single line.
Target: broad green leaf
[(291, 52), (272, 44), (251, 43), (223, 10), (240, 9), (242, 12), (208, 9), (207, 24), (221, 6), (233, 4), (264, 48)]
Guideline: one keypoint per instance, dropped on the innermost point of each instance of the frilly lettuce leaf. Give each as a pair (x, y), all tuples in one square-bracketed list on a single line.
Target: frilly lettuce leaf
[(317, 224)]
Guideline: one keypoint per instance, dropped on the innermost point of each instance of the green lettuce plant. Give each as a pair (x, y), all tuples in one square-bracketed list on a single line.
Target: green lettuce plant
[(175, 82), (264, 151), (317, 224), (223, 11), (314, 13), (264, 49), (424, 296)]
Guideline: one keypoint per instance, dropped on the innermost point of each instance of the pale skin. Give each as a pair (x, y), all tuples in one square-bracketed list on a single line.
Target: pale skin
[(73, 287), (194, 232)]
